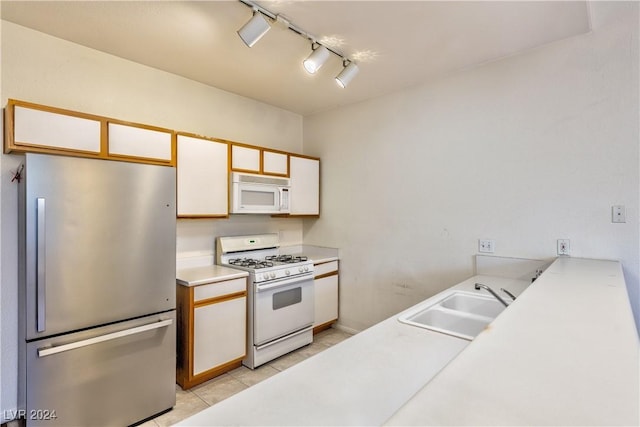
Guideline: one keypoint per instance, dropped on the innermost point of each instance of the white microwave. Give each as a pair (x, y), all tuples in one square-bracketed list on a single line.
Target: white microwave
[(259, 194)]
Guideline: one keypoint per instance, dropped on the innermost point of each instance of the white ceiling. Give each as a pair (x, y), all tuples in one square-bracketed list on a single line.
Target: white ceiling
[(397, 44)]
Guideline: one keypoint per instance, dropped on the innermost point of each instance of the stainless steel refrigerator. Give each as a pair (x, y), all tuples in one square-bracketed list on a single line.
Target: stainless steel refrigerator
[(97, 291)]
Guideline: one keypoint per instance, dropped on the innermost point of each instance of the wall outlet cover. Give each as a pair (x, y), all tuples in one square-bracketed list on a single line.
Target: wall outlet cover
[(564, 246), (487, 246)]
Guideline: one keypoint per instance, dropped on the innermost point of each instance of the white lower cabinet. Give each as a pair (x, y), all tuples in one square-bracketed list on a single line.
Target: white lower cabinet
[(211, 330), (215, 346), (326, 295)]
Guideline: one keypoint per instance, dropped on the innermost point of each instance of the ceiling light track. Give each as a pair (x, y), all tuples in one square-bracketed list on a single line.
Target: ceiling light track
[(257, 26)]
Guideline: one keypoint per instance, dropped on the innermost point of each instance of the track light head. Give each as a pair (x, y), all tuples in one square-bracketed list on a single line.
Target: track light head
[(318, 57), (254, 29), (347, 74)]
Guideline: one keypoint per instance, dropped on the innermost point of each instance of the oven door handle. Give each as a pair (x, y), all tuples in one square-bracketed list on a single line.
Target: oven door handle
[(284, 282)]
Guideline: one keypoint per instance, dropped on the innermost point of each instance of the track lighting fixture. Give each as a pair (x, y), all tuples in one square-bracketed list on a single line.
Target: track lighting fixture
[(254, 29), (347, 74), (318, 57), (257, 27)]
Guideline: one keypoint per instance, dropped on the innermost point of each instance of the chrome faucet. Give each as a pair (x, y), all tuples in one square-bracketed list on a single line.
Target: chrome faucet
[(480, 285), (512, 296)]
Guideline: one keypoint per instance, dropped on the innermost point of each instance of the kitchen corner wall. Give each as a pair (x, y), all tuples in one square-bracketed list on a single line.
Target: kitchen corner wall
[(47, 70), (524, 150)]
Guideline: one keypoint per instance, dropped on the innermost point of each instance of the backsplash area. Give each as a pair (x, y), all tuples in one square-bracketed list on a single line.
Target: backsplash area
[(196, 243)]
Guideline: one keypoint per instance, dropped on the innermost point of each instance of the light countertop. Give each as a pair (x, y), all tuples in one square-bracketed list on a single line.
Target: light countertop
[(363, 380), (564, 353), (318, 254), (195, 276)]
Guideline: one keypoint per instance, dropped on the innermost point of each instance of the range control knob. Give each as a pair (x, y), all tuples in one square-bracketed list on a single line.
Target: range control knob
[(273, 275), (287, 272), (306, 268), (300, 269)]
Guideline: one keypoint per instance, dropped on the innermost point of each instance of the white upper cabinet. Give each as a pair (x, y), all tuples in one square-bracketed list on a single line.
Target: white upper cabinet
[(274, 163), (245, 158), (304, 193), (140, 142), (53, 130), (203, 177)]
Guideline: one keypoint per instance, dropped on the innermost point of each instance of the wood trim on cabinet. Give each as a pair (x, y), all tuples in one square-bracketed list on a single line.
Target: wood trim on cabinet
[(270, 150), (221, 298), (329, 274), (8, 129), (323, 327), (184, 353), (138, 159), (11, 145), (186, 307), (187, 383)]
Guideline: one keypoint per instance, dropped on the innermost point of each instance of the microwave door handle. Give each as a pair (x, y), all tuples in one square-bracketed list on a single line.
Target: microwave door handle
[(283, 205)]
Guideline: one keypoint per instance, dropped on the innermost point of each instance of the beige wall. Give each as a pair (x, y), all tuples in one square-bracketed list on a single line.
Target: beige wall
[(524, 150), (46, 70)]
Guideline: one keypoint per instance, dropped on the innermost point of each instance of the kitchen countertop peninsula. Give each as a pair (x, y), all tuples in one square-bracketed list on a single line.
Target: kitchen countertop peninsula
[(195, 276), (564, 353)]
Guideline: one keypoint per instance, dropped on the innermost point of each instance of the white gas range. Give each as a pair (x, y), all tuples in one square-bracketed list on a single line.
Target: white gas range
[(280, 302)]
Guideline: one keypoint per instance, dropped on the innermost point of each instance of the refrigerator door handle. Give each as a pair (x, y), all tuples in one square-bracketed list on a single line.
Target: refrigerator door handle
[(48, 351), (41, 283)]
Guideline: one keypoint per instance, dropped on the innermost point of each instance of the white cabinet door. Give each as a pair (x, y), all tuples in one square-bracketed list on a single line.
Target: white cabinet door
[(245, 159), (326, 299), (203, 178), (33, 127), (219, 333), (275, 163), (140, 142), (305, 185)]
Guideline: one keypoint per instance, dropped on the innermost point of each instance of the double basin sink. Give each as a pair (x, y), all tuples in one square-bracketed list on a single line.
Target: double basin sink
[(458, 313)]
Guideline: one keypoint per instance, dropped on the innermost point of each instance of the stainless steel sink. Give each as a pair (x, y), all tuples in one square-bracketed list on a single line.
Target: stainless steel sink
[(460, 314)]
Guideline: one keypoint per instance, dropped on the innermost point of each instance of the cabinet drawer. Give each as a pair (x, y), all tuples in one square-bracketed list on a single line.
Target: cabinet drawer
[(218, 289), (324, 268)]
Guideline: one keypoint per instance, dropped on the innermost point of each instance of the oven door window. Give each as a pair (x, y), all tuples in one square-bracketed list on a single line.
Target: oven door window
[(286, 298), (252, 198)]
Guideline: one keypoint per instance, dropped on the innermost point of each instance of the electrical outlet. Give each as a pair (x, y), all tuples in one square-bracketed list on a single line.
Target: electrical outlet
[(618, 214), (486, 246), (563, 246)]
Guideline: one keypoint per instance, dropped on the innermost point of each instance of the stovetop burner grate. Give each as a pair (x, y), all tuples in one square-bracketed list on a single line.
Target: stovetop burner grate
[(287, 259), (251, 263)]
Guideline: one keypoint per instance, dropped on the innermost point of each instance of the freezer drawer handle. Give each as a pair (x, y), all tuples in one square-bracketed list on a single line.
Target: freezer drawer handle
[(40, 266), (48, 351)]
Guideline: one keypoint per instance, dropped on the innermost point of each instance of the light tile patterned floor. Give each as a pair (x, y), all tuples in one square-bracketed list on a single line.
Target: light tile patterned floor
[(188, 402)]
